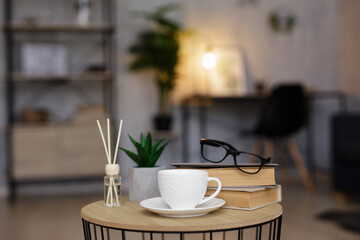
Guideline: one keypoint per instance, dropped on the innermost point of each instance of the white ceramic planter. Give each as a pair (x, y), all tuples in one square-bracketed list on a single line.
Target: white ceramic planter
[(143, 183)]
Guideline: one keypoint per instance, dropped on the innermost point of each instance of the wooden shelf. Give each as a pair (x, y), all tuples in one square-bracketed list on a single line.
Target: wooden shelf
[(66, 145), (65, 150), (29, 125), (58, 27), (72, 77)]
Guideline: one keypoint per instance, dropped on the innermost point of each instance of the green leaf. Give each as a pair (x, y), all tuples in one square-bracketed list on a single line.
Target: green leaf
[(132, 140), (162, 148), (132, 156), (148, 143), (142, 140), (142, 156), (155, 146), (155, 156)]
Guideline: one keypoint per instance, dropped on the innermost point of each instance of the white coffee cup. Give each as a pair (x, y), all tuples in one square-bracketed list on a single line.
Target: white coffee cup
[(185, 188)]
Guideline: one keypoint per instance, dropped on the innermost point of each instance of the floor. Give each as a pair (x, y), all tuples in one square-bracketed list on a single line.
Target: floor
[(58, 217)]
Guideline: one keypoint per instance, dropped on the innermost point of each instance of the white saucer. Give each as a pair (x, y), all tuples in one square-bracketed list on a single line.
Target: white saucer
[(158, 205)]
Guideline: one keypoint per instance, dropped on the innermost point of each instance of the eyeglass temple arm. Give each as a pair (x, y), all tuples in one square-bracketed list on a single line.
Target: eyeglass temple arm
[(266, 160), (213, 142)]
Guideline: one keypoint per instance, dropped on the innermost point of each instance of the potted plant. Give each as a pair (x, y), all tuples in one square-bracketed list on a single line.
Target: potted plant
[(143, 178), (157, 49)]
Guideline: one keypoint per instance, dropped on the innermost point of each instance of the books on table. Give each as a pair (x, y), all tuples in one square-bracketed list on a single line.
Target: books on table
[(230, 176), (241, 190), (247, 198)]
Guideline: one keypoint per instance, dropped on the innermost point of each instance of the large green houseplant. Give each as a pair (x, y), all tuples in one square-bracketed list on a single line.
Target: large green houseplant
[(143, 178), (157, 49)]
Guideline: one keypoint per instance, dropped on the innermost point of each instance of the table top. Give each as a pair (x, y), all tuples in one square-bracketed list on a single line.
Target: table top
[(131, 216)]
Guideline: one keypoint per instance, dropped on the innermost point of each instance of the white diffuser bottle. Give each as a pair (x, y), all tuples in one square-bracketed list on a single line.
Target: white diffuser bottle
[(112, 186)]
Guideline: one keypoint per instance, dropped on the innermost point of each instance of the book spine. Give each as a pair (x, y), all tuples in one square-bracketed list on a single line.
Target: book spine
[(249, 200), (232, 177)]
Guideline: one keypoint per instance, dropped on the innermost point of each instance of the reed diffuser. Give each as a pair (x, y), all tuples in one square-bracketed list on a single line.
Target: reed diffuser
[(112, 180)]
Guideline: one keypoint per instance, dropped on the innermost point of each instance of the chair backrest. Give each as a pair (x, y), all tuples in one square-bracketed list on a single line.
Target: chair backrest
[(284, 113)]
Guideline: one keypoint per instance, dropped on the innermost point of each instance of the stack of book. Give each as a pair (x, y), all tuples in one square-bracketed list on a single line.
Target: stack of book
[(241, 190)]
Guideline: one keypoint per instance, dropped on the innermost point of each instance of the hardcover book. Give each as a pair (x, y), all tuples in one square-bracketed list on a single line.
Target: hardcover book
[(230, 176), (248, 198)]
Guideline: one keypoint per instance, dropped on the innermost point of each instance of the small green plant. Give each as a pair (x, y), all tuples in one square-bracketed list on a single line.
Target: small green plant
[(147, 152)]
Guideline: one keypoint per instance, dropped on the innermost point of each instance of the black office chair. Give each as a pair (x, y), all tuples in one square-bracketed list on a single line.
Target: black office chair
[(283, 114)]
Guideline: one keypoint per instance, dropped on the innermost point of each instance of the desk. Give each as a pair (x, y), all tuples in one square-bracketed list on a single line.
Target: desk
[(131, 217), (203, 103)]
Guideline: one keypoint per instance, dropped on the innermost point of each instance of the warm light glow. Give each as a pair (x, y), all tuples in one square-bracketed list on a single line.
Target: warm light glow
[(209, 60)]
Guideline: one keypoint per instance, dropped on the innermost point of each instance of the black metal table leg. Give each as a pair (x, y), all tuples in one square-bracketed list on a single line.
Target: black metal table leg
[(279, 228), (274, 231)]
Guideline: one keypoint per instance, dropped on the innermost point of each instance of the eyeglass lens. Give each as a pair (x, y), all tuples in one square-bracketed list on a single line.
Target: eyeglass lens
[(213, 153)]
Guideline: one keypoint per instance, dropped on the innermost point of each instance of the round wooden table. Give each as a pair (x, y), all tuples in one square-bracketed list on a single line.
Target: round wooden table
[(131, 217)]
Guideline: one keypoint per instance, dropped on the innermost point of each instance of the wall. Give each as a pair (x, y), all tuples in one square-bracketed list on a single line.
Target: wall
[(313, 44), (350, 51), (310, 54)]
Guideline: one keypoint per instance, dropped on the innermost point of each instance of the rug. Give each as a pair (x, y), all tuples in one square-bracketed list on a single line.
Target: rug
[(348, 219)]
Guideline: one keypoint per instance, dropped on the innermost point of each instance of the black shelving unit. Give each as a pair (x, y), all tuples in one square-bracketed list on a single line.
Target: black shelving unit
[(103, 32)]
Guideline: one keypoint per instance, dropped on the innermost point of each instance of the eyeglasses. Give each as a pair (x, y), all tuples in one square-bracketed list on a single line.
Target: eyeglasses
[(216, 151)]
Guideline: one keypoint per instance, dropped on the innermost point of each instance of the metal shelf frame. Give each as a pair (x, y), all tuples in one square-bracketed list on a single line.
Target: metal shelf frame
[(12, 78)]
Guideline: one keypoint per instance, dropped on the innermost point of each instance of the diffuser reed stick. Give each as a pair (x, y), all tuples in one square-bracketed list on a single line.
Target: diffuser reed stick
[(109, 143), (103, 139), (117, 142)]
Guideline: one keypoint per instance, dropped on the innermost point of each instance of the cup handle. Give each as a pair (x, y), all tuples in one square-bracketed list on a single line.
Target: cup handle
[(215, 193)]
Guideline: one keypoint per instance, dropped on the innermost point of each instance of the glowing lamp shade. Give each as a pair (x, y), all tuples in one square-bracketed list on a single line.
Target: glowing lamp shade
[(209, 60)]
